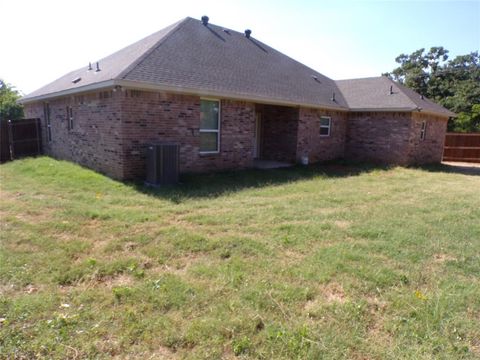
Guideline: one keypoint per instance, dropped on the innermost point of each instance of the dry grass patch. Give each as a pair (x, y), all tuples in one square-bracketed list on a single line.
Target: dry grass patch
[(333, 292), (342, 224), (441, 258)]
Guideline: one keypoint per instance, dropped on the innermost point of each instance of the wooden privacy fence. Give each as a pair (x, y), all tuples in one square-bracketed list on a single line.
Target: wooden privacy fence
[(20, 138), (462, 147)]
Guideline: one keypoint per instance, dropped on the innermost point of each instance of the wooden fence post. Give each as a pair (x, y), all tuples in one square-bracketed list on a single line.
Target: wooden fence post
[(10, 139)]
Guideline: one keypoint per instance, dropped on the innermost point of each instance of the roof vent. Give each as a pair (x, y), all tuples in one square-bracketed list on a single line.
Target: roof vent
[(205, 20), (226, 31), (76, 80), (98, 67), (89, 66), (333, 97), (247, 33), (421, 97), (391, 89), (315, 77)]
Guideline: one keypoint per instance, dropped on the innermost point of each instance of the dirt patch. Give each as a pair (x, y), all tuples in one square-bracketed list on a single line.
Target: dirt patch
[(120, 280), (30, 289), (342, 224), (162, 353), (330, 293), (293, 255), (334, 293), (289, 257), (130, 246), (441, 258), (7, 289), (357, 356), (180, 265), (24, 213), (107, 282), (376, 332), (376, 305), (20, 246)]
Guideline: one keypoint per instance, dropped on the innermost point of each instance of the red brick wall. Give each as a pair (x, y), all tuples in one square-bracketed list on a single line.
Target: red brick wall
[(158, 116), (279, 132), (94, 140), (381, 137), (429, 150), (321, 148), (394, 137), (111, 131)]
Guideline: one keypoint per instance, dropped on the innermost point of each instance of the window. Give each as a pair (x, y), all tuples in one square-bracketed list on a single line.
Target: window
[(46, 115), (325, 124), (209, 126), (69, 118), (423, 131)]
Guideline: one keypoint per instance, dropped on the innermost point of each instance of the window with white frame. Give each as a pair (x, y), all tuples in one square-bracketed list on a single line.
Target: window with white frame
[(325, 125), (46, 115), (209, 126), (70, 118), (423, 130)]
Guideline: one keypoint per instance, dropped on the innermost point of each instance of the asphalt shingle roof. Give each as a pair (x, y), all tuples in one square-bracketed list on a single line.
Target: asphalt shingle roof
[(189, 56), (374, 94)]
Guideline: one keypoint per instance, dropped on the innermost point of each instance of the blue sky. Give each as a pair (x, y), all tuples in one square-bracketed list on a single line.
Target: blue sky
[(341, 39)]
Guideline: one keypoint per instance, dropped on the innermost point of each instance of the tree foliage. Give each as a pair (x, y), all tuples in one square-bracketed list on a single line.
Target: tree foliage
[(9, 109), (468, 121), (455, 83)]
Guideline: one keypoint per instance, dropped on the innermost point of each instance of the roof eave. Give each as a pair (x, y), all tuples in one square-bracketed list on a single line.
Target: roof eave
[(222, 94), (447, 114), (178, 90), (392, 109), (213, 93), (82, 89), (405, 109)]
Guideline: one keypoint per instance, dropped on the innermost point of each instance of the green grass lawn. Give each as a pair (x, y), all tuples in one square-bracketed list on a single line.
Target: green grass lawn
[(334, 262)]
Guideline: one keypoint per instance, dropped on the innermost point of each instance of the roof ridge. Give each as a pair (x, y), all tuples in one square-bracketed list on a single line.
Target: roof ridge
[(175, 27)]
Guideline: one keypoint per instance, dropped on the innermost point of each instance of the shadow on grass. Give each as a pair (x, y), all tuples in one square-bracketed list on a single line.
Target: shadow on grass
[(455, 168), (217, 184)]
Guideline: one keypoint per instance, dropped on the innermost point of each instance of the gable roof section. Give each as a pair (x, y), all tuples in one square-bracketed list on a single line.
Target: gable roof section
[(373, 94), (191, 57)]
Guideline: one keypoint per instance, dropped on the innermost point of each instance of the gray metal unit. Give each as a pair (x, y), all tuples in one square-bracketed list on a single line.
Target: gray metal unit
[(162, 164)]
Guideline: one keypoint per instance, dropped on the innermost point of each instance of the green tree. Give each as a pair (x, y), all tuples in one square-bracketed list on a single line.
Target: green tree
[(467, 121), (455, 84), (9, 109)]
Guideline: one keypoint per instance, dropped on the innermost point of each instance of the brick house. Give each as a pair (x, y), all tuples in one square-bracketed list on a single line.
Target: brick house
[(227, 99)]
